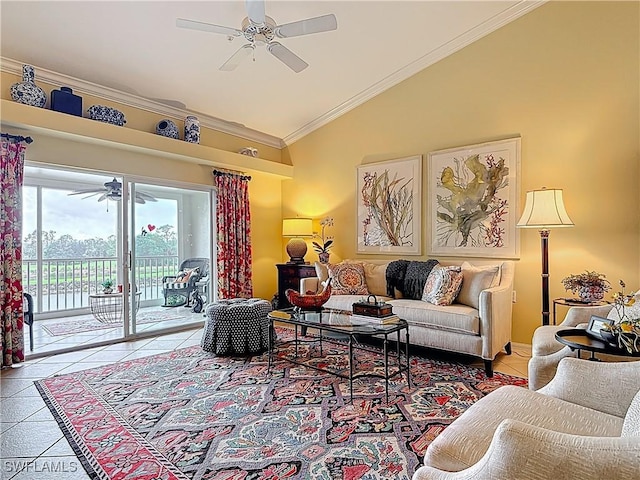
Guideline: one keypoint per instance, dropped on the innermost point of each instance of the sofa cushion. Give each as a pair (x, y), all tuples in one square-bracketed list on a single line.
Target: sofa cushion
[(375, 275), (454, 318), (466, 440), (475, 279), (631, 425), (443, 285), (348, 279)]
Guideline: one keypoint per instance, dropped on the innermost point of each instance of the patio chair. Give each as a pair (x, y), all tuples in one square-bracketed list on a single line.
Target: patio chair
[(27, 310), (180, 288)]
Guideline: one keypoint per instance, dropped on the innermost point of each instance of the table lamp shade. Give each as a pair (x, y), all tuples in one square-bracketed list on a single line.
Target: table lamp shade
[(543, 209), (297, 228)]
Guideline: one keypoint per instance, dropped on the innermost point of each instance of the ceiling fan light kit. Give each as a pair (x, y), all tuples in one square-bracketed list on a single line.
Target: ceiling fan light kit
[(261, 31)]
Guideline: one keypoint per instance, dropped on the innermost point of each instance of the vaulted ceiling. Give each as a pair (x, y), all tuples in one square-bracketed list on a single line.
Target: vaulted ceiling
[(136, 47)]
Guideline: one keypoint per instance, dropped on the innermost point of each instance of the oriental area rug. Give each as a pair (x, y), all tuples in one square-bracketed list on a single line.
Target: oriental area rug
[(188, 414)]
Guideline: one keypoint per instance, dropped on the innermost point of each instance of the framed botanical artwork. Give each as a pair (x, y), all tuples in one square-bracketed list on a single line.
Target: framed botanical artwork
[(389, 207), (473, 196)]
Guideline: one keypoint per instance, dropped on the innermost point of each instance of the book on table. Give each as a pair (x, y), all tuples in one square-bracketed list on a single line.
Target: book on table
[(388, 319)]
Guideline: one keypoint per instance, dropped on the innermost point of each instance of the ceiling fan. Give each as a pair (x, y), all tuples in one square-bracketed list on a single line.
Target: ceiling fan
[(113, 191), (260, 30)]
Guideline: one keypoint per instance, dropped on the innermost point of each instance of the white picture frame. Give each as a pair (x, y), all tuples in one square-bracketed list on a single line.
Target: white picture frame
[(389, 203), (473, 196)]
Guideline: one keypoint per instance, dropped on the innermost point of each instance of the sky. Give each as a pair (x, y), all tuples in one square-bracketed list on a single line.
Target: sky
[(85, 218)]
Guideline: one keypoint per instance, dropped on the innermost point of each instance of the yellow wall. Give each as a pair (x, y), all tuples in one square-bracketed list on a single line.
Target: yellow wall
[(565, 78)]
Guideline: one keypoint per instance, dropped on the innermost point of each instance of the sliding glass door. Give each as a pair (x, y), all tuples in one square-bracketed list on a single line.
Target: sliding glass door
[(82, 234), (170, 255)]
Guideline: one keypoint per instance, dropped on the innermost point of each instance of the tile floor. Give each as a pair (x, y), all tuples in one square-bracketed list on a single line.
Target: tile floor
[(33, 447)]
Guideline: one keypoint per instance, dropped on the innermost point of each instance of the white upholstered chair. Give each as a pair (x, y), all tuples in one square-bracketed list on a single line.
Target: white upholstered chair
[(546, 351), (585, 424)]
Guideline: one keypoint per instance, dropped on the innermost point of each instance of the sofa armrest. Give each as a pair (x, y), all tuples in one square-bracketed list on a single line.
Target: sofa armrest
[(495, 319), (309, 284), (519, 451), (577, 315), (610, 389)]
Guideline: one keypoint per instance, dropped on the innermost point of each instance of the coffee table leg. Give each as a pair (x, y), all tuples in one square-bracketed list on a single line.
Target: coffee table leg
[(351, 367), (386, 366), (406, 353), (296, 342), (271, 327)]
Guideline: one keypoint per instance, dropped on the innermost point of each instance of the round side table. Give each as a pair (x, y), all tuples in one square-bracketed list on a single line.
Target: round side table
[(570, 302)]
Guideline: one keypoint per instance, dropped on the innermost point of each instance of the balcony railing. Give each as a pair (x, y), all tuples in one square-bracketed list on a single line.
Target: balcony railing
[(63, 284)]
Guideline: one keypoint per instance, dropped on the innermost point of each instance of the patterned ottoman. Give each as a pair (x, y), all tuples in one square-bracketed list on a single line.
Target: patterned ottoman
[(236, 325)]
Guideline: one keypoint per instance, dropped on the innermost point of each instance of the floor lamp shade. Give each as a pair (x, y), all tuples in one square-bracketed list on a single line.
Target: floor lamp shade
[(296, 229), (544, 209)]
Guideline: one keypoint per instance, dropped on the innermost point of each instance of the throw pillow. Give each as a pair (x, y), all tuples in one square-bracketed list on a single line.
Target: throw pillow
[(348, 279), (443, 285), (475, 279), (375, 276), (184, 275)]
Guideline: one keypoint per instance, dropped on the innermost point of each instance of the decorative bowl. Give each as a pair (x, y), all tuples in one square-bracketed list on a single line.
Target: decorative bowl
[(106, 114), (309, 301)]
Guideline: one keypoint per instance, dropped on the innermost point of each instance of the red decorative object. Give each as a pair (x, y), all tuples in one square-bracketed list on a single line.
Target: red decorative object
[(151, 227), (309, 301)]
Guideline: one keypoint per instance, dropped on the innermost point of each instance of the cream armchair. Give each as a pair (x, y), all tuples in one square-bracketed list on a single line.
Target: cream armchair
[(585, 424), (546, 351)]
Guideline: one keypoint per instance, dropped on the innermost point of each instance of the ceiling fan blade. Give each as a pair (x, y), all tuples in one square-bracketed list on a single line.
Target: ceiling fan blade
[(255, 11), (140, 200), (323, 23), (287, 57), (146, 196), (102, 197), (92, 195), (237, 58), (207, 27), (87, 190)]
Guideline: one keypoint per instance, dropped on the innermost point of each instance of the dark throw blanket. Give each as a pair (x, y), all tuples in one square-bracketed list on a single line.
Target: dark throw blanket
[(409, 277), (396, 271)]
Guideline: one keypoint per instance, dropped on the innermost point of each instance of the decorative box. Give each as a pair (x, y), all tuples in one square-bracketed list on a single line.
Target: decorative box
[(106, 114), (372, 308), (65, 101)]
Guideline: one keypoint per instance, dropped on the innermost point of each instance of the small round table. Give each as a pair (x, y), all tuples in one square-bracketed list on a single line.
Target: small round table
[(570, 302), (107, 307), (577, 339)]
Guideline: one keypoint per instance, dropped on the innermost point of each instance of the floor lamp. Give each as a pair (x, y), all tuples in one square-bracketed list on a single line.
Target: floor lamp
[(544, 209)]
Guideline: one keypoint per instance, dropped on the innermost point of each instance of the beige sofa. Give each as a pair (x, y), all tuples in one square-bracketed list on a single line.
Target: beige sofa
[(481, 326)]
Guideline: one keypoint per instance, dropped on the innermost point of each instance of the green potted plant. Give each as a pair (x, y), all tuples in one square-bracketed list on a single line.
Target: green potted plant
[(107, 286), (322, 249), (590, 286)]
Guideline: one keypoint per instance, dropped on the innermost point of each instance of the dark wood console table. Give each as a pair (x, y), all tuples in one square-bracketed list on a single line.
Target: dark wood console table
[(289, 275)]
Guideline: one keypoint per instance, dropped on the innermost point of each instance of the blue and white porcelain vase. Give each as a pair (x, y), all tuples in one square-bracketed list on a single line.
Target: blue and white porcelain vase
[(191, 129), (27, 91), (167, 128)]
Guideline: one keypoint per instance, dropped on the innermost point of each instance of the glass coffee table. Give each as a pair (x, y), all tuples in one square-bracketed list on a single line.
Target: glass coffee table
[(327, 322)]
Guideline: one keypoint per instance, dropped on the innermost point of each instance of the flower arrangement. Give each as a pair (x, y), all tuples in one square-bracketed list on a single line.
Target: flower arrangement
[(326, 241), (625, 332), (590, 286)]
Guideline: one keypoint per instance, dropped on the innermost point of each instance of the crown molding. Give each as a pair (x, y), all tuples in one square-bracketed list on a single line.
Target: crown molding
[(58, 79), (521, 8)]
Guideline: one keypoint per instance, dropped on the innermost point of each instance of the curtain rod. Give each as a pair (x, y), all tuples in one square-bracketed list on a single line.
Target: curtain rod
[(16, 138), (221, 172)]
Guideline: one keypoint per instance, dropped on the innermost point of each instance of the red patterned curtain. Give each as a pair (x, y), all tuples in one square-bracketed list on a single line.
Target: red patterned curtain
[(233, 227), (12, 153)]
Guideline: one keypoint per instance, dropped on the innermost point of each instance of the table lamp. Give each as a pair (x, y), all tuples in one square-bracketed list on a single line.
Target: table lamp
[(296, 228), (543, 210)]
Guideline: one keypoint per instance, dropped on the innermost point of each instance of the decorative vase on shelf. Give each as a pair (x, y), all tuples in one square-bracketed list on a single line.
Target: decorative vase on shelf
[(65, 101), (191, 129), (167, 128), (107, 291), (27, 91)]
